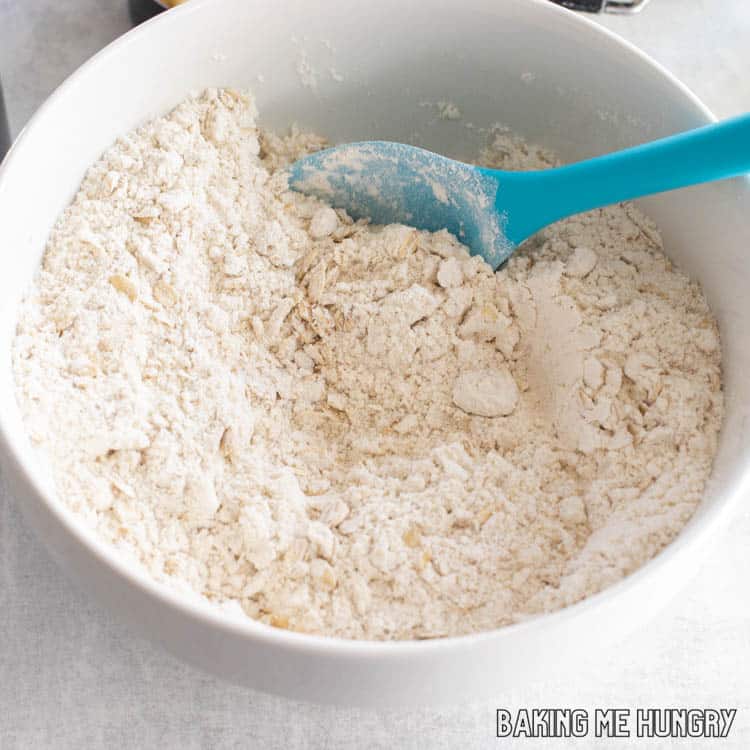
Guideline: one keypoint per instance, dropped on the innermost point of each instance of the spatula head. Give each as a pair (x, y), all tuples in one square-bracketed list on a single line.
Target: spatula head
[(392, 183)]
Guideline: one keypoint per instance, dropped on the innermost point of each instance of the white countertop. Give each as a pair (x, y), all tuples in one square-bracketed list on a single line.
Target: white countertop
[(71, 676)]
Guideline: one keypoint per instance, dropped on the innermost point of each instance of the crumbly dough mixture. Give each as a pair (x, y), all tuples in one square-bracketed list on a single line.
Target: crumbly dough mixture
[(353, 430)]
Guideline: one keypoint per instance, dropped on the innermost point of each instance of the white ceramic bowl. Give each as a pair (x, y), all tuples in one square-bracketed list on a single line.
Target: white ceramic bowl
[(550, 75)]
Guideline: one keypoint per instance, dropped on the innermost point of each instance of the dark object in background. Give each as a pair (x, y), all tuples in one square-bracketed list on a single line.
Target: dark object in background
[(4, 129), (608, 6), (142, 10)]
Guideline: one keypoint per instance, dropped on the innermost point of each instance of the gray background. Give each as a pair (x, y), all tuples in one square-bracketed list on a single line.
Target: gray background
[(71, 676)]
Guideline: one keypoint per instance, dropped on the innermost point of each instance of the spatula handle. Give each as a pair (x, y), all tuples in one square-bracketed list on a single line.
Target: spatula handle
[(713, 152)]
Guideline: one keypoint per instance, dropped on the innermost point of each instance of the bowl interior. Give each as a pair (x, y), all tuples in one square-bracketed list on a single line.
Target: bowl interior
[(379, 70)]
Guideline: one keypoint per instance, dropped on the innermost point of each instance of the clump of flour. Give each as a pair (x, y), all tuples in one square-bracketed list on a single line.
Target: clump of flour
[(354, 430)]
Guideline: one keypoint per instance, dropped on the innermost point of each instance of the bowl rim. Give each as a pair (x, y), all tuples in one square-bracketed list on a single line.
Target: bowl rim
[(209, 614)]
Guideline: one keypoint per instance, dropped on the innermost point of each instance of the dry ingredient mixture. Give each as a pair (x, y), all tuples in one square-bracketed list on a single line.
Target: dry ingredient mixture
[(354, 430)]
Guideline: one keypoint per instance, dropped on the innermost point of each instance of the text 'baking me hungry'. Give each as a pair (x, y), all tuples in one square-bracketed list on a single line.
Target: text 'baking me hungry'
[(615, 722)]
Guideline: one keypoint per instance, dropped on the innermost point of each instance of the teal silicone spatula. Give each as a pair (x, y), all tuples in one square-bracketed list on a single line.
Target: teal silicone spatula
[(493, 211)]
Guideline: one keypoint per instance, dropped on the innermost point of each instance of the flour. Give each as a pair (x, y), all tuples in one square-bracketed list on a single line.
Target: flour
[(353, 430)]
